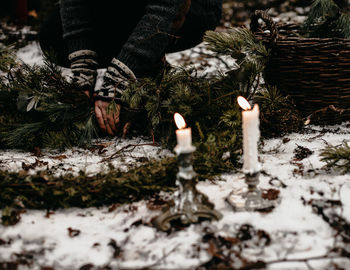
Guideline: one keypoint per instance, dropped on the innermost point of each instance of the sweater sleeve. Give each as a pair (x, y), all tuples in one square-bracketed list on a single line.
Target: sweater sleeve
[(154, 32), (76, 16)]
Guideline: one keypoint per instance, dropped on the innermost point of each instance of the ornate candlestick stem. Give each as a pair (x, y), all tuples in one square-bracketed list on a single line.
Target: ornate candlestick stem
[(189, 205), (251, 199)]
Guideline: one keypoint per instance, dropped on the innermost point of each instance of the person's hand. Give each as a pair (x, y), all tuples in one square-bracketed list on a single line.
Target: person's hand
[(115, 81), (108, 120)]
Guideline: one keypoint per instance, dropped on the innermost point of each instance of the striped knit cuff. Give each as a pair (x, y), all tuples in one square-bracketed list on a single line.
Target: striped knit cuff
[(116, 80), (84, 67)]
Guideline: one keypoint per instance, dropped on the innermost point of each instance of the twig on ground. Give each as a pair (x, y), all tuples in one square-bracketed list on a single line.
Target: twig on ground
[(151, 266), (126, 149), (304, 260)]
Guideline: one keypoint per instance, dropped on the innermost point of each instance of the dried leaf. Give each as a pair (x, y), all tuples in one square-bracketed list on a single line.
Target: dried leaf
[(73, 232)]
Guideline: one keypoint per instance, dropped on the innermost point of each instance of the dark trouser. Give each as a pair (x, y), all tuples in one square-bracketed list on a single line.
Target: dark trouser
[(115, 24)]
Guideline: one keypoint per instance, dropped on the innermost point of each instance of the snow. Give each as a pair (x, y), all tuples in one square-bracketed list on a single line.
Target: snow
[(31, 54), (90, 161), (72, 238)]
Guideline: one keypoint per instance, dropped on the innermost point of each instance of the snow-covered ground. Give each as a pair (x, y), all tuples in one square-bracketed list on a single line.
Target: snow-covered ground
[(123, 237)]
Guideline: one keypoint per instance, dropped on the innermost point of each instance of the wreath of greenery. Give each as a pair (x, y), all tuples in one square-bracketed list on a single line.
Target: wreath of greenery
[(41, 108)]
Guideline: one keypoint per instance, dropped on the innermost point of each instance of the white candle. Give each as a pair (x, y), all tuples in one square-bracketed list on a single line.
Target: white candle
[(183, 134), (251, 135), (184, 137)]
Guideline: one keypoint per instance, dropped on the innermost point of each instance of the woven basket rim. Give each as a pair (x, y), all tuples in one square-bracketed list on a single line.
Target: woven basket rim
[(282, 31), (282, 34)]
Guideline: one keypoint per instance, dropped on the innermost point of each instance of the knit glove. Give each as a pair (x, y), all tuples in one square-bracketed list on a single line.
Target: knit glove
[(115, 81), (84, 67)]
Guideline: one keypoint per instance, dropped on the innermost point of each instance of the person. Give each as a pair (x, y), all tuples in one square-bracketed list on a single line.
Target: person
[(128, 38)]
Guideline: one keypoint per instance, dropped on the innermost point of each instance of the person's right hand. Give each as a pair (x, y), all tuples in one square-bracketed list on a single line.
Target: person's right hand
[(115, 81), (108, 121)]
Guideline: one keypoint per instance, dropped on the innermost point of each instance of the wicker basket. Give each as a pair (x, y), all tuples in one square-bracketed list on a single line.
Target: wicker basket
[(315, 72)]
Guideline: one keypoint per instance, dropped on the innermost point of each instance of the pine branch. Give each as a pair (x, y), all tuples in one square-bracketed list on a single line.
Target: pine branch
[(239, 43), (343, 23), (278, 115), (23, 134), (7, 58), (250, 54), (39, 107), (271, 98), (328, 18), (226, 43), (337, 157), (320, 9)]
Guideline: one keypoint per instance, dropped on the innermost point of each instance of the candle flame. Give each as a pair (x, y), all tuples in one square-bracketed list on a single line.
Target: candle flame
[(179, 121), (243, 103)]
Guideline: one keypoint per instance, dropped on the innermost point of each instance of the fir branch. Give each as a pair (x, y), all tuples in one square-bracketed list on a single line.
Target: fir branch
[(88, 130), (231, 119), (337, 157)]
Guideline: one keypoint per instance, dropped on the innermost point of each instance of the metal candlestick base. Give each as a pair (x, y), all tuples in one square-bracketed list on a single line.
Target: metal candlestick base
[(189, 204), (250, 200)]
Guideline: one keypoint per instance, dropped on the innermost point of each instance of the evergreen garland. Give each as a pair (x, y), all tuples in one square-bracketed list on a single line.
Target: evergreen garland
[(39, 107), (43, 191), (204, 103)]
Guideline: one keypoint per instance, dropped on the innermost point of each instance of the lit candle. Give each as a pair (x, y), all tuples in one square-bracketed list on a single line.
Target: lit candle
[(183, 134), (251, 135)]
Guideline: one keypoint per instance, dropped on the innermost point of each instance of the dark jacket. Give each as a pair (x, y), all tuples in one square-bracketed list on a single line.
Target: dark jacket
[(153, 32)]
